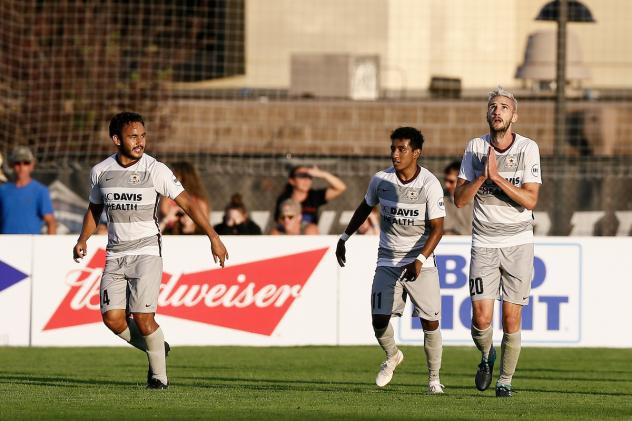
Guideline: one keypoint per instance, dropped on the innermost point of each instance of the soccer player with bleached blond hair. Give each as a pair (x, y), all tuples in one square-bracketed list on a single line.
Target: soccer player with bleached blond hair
[(500, 172)]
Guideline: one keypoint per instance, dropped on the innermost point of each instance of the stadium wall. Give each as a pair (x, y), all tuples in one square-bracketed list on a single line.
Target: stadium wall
[(357, 128), (290, 291)]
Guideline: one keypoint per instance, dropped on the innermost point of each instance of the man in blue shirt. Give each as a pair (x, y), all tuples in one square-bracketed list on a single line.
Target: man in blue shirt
[(25, 203)]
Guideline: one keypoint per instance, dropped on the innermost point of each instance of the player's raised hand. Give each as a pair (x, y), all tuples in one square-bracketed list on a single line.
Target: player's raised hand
[(219, 251), (341, 251), (79, 251)]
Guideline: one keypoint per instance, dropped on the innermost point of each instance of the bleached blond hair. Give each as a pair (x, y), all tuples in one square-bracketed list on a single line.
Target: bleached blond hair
[(500, 91)]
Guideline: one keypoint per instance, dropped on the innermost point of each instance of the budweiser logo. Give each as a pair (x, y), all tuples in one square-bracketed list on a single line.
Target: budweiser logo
[(251, 297)]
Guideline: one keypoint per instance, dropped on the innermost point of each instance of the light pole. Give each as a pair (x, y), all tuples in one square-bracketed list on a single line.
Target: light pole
[(561, 11)]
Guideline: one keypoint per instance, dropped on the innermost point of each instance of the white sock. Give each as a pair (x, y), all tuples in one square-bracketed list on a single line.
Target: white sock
[(136, 338), (433, 346), (386, 339), (510, 351), (156, 355), (483, 339)]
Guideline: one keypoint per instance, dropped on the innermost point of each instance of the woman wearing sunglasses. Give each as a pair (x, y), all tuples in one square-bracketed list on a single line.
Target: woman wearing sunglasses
[(299, 188)]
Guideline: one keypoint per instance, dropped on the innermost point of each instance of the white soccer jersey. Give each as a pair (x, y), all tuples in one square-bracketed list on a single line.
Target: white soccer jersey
[(406, 209), (130, 197), (499, 221)]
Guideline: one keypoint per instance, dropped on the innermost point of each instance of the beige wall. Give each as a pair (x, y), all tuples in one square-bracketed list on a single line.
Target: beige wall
[(480, 41)]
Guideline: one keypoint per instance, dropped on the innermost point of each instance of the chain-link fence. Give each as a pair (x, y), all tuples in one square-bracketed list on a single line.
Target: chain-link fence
[(244, 89)]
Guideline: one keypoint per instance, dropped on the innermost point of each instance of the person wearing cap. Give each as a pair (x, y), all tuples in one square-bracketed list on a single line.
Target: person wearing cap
[(25, 204)]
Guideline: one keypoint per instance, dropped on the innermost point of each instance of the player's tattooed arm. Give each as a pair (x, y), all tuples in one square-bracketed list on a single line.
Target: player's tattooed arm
[(525, 195), (90, 221), (359, 216), (220, 254)]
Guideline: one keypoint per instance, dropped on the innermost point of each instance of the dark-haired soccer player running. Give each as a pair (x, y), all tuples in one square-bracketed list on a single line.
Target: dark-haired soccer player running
[(128, 185), (411, 204), (501, 172)]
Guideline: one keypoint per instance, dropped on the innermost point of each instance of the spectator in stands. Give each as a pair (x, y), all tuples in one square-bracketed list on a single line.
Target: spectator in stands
[(371, 225), (236, 220), (25, 204), (173, 219), (289, 221), (457, 221), (299, 188)]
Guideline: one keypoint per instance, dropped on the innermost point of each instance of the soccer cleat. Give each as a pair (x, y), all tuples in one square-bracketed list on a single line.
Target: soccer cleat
[(156, 384), (435, 388), (503, 390), (149, 373), (387, 368), (485, 370)]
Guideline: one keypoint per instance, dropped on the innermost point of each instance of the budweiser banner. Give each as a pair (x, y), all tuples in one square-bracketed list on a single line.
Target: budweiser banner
[(272, 291), (290, 291)]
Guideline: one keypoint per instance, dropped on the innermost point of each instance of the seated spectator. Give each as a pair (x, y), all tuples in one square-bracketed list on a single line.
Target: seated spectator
[(371, 225), (289, 221), (236, 220), (173, 220), (25, 204), (457, 221), (299, 188)]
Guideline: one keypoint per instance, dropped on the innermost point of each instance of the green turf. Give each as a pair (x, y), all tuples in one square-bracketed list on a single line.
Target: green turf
[(306, 383)]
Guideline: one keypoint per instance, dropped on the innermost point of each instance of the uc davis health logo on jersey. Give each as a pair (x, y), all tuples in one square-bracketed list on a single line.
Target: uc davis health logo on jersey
[(251, 297)]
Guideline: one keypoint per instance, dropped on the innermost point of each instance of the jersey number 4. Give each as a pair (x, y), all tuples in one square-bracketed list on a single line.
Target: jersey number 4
[(105, 300)]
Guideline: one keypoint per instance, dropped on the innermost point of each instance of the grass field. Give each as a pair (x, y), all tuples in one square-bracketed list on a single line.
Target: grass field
[(306, 383)]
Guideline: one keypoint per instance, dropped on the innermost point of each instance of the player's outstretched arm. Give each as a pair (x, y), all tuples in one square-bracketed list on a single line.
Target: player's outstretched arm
[(90, 220), (217, 247), (359, 216)]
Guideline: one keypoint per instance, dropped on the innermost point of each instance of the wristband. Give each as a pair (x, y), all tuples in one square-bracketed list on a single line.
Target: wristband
[(344, 237), (422, 259)]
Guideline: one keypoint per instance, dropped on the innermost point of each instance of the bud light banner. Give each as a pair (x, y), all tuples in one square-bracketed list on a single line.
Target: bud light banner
[(553, 312), (289, 290)]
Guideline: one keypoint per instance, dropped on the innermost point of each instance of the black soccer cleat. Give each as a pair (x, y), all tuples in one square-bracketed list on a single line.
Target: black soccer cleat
[(156, 384), (503, 390), (485, 370), (149, 373)]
